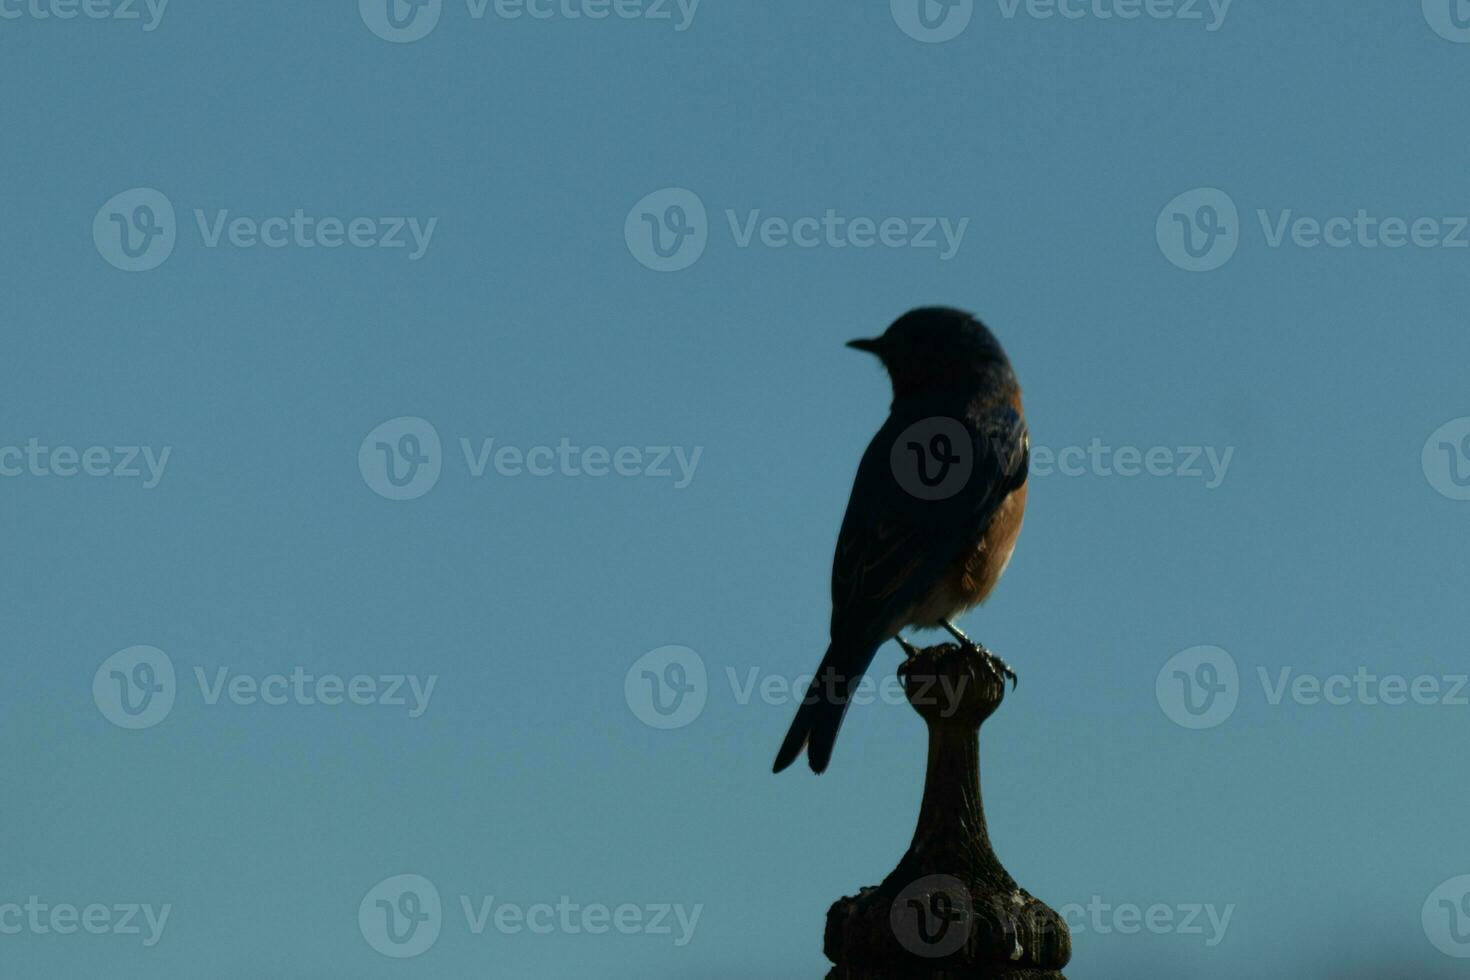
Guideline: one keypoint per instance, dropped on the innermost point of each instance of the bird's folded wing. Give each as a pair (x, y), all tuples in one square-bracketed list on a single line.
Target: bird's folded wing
[(894, 547)]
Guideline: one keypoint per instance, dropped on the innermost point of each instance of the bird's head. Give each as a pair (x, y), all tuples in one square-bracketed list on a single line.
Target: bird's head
[(937, 347)]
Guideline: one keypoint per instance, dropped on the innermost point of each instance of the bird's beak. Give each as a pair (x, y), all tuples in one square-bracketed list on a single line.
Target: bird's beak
[(870, 346)]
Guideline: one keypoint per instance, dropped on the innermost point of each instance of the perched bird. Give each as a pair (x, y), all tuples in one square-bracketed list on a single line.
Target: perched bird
[(935, 509)]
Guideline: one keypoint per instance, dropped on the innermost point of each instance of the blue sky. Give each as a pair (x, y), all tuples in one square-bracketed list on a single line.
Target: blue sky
[(413, 393)]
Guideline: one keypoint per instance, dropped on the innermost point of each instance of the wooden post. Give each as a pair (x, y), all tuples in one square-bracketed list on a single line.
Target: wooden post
[(949, 910)]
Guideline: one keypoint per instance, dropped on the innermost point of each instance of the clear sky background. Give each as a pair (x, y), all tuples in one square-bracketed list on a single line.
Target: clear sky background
[(531, 318)]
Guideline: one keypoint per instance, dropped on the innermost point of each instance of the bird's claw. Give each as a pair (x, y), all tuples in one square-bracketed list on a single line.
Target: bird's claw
[(1000, 671)]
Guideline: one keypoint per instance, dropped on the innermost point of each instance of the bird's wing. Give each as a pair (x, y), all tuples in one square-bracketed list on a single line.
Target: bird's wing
[(894, 545)]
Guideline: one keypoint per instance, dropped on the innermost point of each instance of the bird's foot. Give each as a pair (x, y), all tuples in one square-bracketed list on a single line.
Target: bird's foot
[(1000, 671)]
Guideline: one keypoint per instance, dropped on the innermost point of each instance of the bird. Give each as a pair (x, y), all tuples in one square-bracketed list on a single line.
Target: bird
[(934, 514)]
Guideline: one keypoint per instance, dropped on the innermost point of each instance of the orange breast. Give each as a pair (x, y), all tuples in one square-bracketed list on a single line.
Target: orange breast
[(980, 569)]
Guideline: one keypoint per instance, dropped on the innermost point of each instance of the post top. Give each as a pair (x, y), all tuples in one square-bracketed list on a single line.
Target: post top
[(952, 686)]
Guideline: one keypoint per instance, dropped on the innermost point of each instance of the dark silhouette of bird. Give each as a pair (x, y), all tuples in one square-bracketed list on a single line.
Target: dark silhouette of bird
[(934, 514)]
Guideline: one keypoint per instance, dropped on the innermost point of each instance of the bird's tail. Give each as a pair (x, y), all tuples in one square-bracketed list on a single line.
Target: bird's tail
[(821, 712)]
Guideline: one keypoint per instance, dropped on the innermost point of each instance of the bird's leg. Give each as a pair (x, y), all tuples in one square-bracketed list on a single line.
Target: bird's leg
[(965, 641), (998, 667), (909, 649)]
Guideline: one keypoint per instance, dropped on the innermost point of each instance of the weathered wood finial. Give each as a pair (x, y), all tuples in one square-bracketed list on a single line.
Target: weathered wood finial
[(949, 910)]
